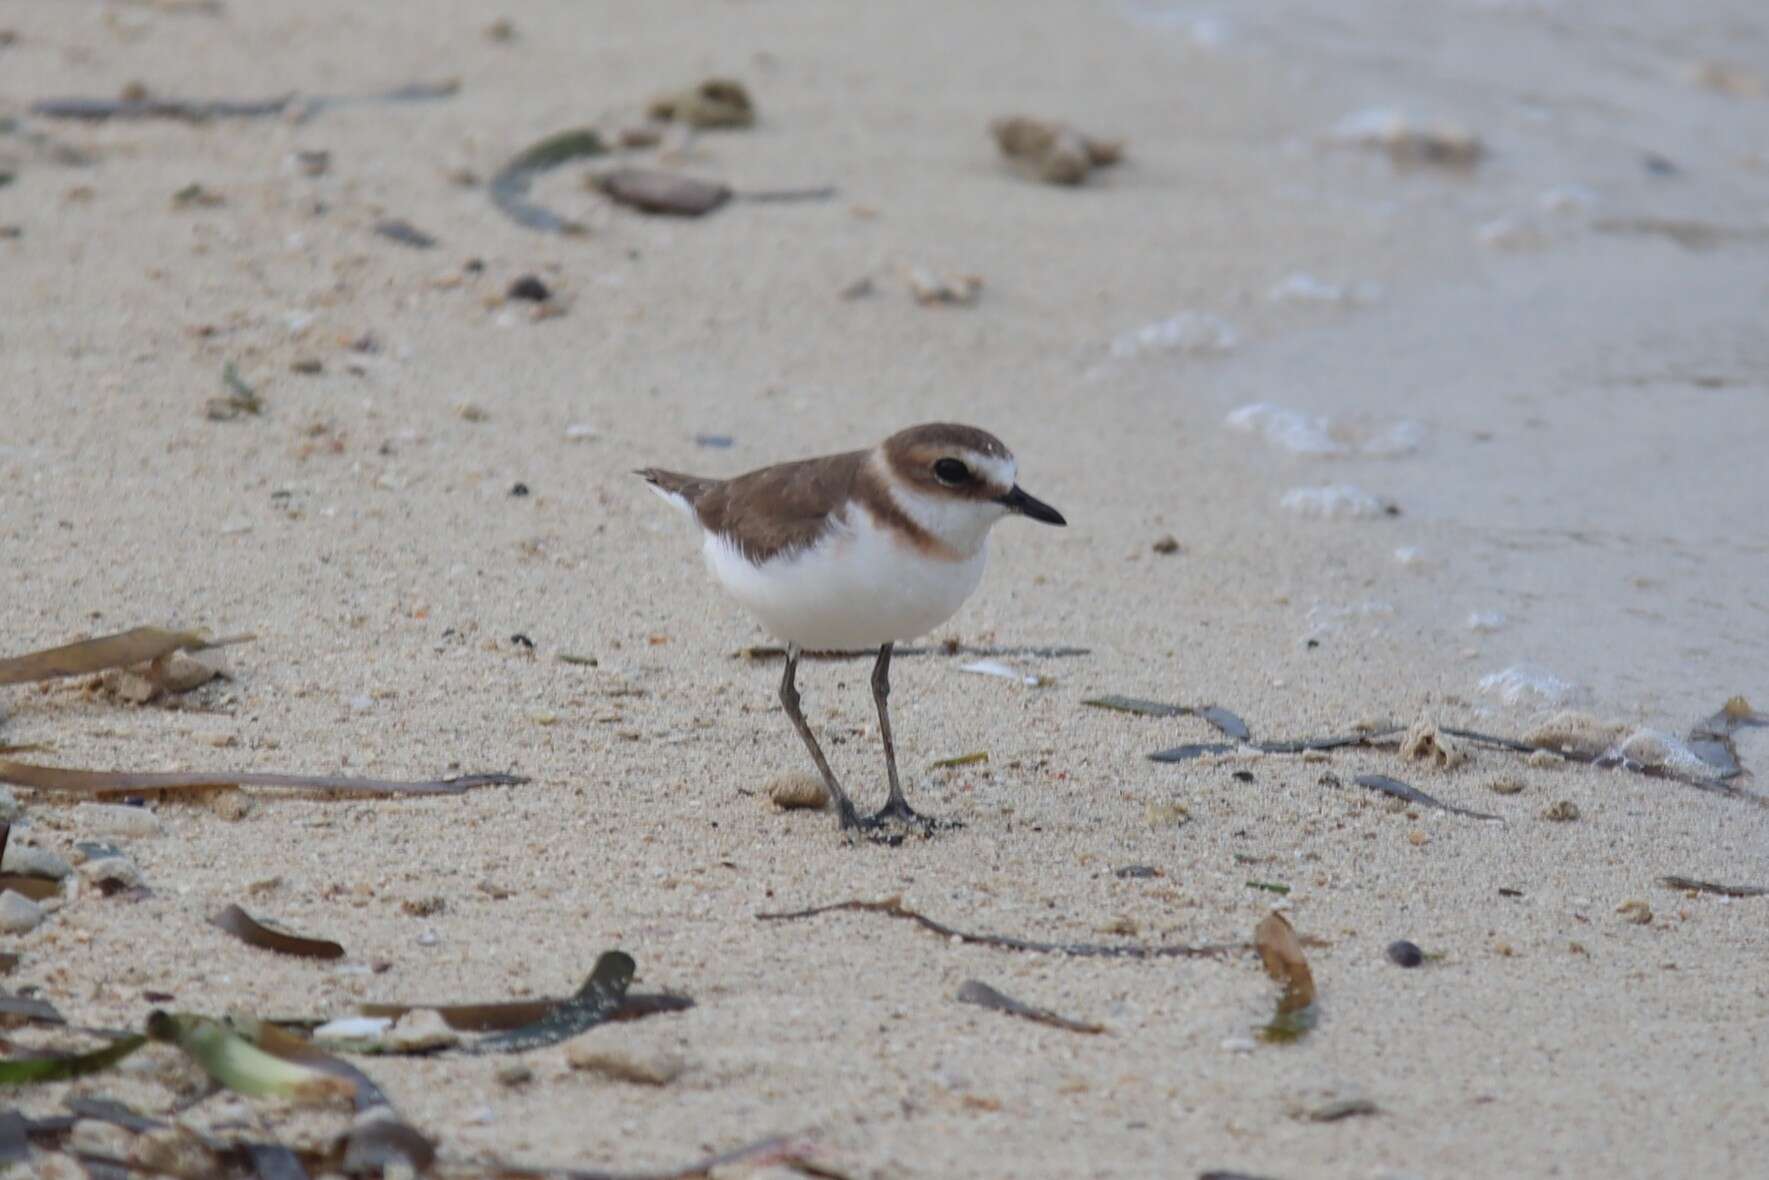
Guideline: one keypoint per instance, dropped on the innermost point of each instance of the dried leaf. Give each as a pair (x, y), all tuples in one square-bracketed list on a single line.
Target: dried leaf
[(894, 907), (107, 1111), (650, 191), (1136, 705), (31, 1070), (716, 102), (1226, 721), (977, 992), (1193, 750), (504, 1015), (405, 233), (122, 650), (15, 1139), (101, 783), (1400, 790), (597, 1001), (1052, 151), (252, 932), (16, 1010), (1275, 940), (35, 888)]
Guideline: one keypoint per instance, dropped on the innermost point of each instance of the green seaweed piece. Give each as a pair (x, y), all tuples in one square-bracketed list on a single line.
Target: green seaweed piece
[(970, 759), (597, 1001), (1269, 886), (509, 187), (31, 1070)]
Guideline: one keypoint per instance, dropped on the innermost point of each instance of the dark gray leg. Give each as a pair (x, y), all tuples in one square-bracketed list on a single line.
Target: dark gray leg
[(789, 699), (896, 809)]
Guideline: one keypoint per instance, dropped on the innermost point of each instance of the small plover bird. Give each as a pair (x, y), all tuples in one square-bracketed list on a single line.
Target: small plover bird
[(856, 551)]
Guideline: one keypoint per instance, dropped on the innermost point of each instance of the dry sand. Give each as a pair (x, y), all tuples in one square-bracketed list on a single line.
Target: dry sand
[(1587, 380)]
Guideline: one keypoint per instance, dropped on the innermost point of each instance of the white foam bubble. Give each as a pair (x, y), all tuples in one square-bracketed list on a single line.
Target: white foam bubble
[(1302, 287), (1339, 501), (1526, 684), (1289, 430), (1195, 332), (1485, 621)]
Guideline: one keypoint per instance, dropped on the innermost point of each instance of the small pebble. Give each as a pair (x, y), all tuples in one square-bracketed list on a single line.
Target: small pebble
[(1405, 954), (420, 1029), (519, 490), (1507, 786), (514, 1073), (112, 874), (1167, 545), (530, 288), (1565, 811), (1136, 872), (116, 820), (18, 913), (232, 804), (94, 1137), (641, 1064), (1343, 1108), (791, 791), (1166, 815), (27, 861), (1636, 911), (429, 938)]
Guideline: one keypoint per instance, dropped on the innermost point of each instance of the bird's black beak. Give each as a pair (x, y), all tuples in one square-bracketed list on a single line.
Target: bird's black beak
[(1027, 505)]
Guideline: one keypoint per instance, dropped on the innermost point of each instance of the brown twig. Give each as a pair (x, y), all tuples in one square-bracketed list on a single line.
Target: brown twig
[(894, 907)]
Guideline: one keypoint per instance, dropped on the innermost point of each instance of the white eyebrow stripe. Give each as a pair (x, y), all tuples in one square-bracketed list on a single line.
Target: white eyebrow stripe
[(996, 470)]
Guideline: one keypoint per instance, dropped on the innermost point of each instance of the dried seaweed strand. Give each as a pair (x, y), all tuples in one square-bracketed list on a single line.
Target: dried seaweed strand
[(252, 932), (98, 783), (1715, 887), (504, 1015), (597, 1001), (894, 907)]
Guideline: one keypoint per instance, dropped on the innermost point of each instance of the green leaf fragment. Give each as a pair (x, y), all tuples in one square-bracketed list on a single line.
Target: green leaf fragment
[(240, 1065), (30, 1071), (970, 759), (1269, 886)]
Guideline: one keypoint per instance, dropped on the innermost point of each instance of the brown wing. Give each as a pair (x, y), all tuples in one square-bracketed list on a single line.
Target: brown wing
[(776, 510), (690, 487)]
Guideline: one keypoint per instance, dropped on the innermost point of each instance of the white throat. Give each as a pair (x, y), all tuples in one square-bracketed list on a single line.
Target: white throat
[(959, 524)]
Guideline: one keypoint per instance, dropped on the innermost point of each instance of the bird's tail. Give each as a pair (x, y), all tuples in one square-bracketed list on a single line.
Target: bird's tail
[(680, 490)]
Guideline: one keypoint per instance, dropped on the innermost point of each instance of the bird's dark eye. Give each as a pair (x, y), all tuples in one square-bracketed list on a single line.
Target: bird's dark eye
[(951, 472)]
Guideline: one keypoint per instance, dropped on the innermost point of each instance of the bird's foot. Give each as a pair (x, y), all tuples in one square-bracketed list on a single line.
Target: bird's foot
[(897, 816)]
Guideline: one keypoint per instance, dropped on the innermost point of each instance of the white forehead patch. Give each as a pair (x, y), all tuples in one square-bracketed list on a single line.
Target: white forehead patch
[(995, 470)]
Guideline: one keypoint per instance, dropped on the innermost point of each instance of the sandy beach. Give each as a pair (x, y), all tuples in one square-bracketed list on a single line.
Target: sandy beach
[(1431, 335)]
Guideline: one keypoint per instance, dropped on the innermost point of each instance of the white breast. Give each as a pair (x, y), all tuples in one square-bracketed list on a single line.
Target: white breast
[(860, 586)]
